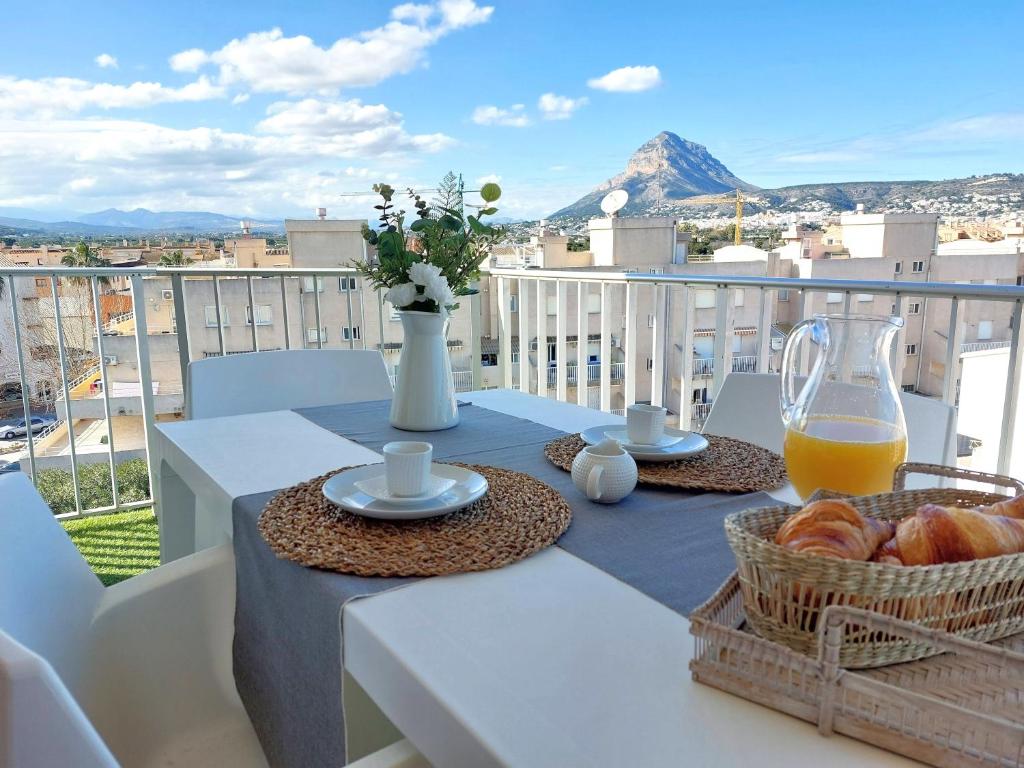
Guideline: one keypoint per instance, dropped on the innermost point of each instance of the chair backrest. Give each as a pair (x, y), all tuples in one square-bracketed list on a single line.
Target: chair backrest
[(40, 722), (747, 408), (48, 594), (285, 379)]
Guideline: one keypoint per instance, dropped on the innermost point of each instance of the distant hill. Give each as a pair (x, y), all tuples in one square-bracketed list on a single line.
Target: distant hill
[(672, 176), (665, 169), (138, 222)]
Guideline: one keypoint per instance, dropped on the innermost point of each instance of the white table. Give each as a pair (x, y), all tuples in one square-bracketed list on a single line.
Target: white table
[(547, 662)]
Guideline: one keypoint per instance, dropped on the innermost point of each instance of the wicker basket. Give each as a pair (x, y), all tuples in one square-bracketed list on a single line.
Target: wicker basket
[(785, 592), (964, 707)]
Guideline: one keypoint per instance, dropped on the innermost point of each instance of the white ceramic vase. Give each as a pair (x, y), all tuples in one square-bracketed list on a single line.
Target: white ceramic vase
[(424, 398)]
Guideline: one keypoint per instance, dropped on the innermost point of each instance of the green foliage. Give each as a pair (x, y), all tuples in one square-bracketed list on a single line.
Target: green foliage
[(175, 259), (57, 488), (440, 233), (84, 256)]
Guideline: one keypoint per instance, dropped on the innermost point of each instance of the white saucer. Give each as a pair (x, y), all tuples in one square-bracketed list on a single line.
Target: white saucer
[(468, 487), (688, 444), (622, 437), (377, 487)]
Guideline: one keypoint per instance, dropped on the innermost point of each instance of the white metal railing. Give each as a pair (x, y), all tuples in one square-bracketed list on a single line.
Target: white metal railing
[(645, 322), (117, 320)]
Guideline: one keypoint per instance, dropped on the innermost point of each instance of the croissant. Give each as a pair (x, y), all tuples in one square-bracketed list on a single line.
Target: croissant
[(833, 528), (1009, 508), (937, 534)]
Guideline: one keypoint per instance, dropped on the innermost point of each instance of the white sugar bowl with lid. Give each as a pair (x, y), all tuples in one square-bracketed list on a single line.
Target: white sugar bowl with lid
[(604, 472)]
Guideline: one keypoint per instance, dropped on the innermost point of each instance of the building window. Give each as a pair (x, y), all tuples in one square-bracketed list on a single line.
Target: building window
[(650, 364), (307, 286), (515, 357), (41, 282), (312, 338), (911, 349), (783, 294), (899, 268), (864, 298), (737, 299), (917, 266), (908, 387), (513, 303), (264, 314), (984, 330), (488, 361), (914, 308), (704, 298), (650, 321), (211, 315), (833, 297), (350, 333), (343, 283), (594, 303), (1020, 279)]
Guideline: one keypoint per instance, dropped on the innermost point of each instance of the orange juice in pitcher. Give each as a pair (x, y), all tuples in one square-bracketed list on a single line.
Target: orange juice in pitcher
[(845, 429), (856, 456)]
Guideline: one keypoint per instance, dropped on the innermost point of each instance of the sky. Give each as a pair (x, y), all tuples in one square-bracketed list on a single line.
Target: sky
[(267, 109)]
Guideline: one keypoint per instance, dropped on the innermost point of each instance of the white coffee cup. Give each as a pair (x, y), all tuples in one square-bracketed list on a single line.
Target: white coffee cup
[(407, 467), (645, 424)]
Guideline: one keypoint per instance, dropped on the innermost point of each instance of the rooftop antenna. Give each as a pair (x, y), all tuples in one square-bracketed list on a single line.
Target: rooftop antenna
[(614, 201)]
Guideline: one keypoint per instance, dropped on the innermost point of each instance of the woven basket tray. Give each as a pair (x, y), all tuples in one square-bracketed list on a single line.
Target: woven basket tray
[(964, 707), (785, 592)]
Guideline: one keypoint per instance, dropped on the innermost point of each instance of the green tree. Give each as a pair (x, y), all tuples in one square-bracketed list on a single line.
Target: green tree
[(85, 257), (175, 259)]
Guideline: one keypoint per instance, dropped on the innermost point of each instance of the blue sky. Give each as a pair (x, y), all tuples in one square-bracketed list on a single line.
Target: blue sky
[(270, 110)]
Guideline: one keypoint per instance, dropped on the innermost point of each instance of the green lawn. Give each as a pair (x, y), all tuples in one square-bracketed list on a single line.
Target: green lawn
[(117, 546)]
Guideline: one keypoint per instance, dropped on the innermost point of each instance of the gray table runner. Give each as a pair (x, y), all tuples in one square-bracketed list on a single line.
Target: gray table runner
[(287, 660)]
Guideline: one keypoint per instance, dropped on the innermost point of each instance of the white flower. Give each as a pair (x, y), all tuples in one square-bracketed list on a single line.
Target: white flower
[(401, 295), (422, 272), (439, 290)]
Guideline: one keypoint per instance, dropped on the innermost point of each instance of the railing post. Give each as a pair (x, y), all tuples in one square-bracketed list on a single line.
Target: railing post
[(252, 314), (898, 354), (181, 326), (954, 341), (629, 345), (316, 311), (689, 316), (582, 334), (476, 330), (351, 320), (218, 308), (505, 331), (605, 368), (658, 346), (542, 339), (764, 332), (561, 349), (284, 314), (105, 386), (145, 372), (69, 420), (1010, 399), (524, 336), (25, 394)]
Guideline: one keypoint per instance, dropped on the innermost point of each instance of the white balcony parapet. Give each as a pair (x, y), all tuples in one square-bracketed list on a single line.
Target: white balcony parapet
[(982, 346)]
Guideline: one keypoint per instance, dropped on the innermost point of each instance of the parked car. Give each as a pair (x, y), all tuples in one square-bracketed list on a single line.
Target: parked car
[(17, 429), (9, 466)]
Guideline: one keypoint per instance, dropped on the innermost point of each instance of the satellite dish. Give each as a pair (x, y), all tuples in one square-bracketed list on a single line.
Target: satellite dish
[(614, 201)]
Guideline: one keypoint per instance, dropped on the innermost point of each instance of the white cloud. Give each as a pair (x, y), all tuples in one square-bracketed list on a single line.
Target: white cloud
[(554, 107), (271, 62), (60, 95), (514, 116), (490, 178), (106, 61), (189, 61), (827, 156), (240, 98), (627, 79), (998, 126), (347, 127)]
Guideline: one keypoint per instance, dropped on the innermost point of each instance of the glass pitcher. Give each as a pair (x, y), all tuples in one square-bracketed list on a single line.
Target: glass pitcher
[(845, 429)]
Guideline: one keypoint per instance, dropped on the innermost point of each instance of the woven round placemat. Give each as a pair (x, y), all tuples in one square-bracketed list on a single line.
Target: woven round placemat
[(727, 465), (517, 517)]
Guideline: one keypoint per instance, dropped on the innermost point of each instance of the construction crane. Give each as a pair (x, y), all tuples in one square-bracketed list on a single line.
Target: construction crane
[(738, 237)]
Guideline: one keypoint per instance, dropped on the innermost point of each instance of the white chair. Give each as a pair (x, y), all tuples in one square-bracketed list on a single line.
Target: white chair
[(747, 408), (137, 674), (284, 379)]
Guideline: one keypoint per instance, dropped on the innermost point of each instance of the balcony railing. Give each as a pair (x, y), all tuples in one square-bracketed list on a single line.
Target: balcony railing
[(983, 346), (645, 322)]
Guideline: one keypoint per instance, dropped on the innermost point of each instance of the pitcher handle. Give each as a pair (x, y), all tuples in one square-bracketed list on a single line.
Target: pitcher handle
[(787, 395)]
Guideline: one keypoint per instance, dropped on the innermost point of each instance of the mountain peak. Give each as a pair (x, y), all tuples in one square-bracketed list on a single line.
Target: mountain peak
[(663, 169)]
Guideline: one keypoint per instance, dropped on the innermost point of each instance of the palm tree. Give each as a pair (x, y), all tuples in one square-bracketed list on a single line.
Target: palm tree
[(83, 256), (175, 259)]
